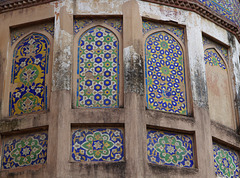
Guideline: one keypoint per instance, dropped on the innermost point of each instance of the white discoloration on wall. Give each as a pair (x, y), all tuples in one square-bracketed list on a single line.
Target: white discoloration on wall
[(69, 6), (214, 30), (196, 61), (162, 12), (62, 63), (63, 42), (133, 71), (99, 7), (236, 65)]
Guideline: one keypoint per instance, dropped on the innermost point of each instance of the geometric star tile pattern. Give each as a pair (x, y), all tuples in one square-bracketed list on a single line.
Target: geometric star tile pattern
[(81, 23), (165, 74), (223, 50), (98, 69), (149, 25), (97, 144), (172, 149), (226, 162), (29, 69), (25, 151), (212, 58)]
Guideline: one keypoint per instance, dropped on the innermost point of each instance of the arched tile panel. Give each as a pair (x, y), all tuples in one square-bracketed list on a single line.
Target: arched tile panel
[(165, 74), (98, 69), (28, 80)]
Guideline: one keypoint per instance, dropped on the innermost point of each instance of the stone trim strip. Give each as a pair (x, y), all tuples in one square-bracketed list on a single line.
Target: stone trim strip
[(10, 5), (202, 10)]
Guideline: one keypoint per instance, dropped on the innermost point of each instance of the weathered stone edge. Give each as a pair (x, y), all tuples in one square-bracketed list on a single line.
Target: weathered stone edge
[(202, 10)]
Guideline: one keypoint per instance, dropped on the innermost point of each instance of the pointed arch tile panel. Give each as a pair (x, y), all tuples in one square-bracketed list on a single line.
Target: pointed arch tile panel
[(29, 69), (212, 58), (165, 74), (222, 49), (98, 69), (220, 99)]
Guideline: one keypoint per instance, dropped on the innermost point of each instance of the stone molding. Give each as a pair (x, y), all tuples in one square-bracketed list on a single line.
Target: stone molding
[(193, 5), (10, 5), (202, 10)]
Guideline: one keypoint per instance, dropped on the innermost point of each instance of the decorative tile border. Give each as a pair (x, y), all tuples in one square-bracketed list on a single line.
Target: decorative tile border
[(97, 144), (226, 161), (166, 148), (149, 25), (24, 151), (18, 32), (113, 22)]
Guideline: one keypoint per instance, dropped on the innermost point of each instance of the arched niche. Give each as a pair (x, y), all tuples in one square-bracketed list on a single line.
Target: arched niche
[(167, 87), (30, 79), (220, 98), (98, 72)]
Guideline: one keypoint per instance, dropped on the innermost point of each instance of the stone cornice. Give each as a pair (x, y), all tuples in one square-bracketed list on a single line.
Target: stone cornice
[(9, 5), (202, 10), (193, 5)]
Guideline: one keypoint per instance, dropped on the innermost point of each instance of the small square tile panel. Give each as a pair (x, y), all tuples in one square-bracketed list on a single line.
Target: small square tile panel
[(97, 144), (166, 148)]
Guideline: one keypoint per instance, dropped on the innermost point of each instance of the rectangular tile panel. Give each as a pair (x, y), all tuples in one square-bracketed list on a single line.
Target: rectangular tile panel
[(24, 150), (97, 144), (166, 148)]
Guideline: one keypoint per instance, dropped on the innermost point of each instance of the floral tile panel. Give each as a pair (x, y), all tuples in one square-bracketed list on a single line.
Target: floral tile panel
[(29, 70), (166, 148), (226, 161), (97, 144), (24, 151)]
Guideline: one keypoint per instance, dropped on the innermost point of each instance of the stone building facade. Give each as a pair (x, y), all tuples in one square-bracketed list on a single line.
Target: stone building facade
[(119, 88)]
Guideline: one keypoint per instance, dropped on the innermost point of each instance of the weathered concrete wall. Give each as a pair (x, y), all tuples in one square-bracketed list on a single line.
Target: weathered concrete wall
[(133, 116)]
